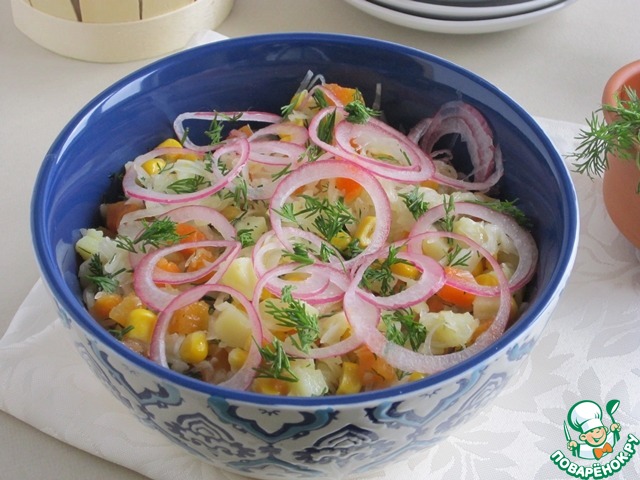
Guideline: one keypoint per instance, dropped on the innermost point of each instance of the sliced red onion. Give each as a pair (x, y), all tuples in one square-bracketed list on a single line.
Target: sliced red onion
[(146, 275), (463, 119), (523, 240), (239, 146), (320, 170), (295, 134), (248, 116), (364, 317), (432, 278), (347, 134), (244, 376)]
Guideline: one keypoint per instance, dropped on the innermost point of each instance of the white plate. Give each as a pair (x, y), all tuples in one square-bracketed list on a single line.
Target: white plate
[(453, 26), (471, 12)]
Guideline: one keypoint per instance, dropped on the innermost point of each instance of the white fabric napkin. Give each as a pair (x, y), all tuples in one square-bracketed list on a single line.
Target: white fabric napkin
[(590, 350)]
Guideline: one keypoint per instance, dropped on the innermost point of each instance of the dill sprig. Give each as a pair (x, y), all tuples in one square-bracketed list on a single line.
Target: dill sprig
[(456, 257), (415, 202), (379, 275), (158, 233), (621, 137), (331, 217), (358, 112), (402, 328), (507, 207), (189, 185), (294, 314), (276, 363), (104, 281)]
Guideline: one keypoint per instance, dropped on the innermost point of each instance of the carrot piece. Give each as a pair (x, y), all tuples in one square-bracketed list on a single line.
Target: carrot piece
[(168, 266), (374, 370), (189, 234), (115, 212), (191, 318), (200, 258), (103, 305), (344, 94), (454, 295), (350, 188)]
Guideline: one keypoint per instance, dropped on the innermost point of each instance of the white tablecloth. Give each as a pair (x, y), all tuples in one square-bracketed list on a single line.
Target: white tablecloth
[(590, 350)]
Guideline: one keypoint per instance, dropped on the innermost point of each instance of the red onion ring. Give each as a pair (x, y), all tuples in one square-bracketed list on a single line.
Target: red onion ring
[(361, 313), (522, 239), (320, 170), (431, 280), (240, 146), (146, 275), (244, 376), (247, 116)]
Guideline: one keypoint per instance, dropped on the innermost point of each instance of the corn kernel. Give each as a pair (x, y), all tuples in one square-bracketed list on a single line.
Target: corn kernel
[(365, 230), (143, 322), (349, 381), (488, 279), (270, 386), (415, 376), (194, 347), (154, 166), (341, 240), (172, 157), (236, 358), (405, 270)]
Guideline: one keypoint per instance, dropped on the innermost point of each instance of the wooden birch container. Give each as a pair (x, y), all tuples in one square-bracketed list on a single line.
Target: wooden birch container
[(116, 30)]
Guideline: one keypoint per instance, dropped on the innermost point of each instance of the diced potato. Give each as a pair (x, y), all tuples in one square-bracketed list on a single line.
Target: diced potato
[(333, 328), (241, 276), (435, 248), (233, 327), (311, 382), (89, 244), (455, 330)]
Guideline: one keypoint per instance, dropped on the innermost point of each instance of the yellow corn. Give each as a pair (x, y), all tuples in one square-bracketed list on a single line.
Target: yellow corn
[(143, 322), (365, 230), (194, 347), (488, 279), (172, 157), (350, 381), (415, 376), (231, 212), (341, 241), (236, 358), (270, 386), (154, 166), (405, 270)]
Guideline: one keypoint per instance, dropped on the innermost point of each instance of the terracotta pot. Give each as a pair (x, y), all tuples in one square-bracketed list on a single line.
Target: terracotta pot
[(623, 176)]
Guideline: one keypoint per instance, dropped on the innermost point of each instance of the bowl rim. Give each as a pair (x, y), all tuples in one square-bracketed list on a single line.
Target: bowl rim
[(66, 300)]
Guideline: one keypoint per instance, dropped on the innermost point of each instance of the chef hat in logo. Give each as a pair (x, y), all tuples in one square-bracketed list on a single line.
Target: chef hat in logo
[(585, 416)]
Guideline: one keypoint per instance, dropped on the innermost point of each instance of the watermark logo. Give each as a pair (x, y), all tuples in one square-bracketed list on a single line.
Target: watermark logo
[(598, 450)]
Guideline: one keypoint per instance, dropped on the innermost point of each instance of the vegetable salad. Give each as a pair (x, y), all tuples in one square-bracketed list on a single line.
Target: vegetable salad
[(317, 251)]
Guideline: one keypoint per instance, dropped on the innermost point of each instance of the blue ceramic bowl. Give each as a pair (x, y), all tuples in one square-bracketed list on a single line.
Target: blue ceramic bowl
[(258, 435)]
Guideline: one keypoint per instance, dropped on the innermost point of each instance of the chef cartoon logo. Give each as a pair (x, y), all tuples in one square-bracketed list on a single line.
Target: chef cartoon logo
[(593, 435)]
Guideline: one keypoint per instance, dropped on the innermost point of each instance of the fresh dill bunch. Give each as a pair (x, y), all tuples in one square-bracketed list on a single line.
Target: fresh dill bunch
[(158, 233), (401, 327), (379, 275), (620, 138), (294, 314), (104, 281), (276, 363), (358, 112), (415, 202)]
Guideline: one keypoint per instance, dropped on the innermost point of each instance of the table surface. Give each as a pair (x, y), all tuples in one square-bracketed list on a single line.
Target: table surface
[(554, 68)]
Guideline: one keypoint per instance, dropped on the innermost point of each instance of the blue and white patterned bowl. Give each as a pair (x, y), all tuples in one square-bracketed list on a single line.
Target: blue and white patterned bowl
[(257, 435)]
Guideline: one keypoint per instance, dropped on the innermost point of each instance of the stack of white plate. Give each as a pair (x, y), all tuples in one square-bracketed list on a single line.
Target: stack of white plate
[(460, 16)]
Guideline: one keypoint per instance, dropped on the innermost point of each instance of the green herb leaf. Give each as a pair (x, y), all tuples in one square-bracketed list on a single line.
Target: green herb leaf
[(358, 112), (276, 363), (402, 328), (158, 233), (294, 315), (189, 185), (105, 282), (415, 202)]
